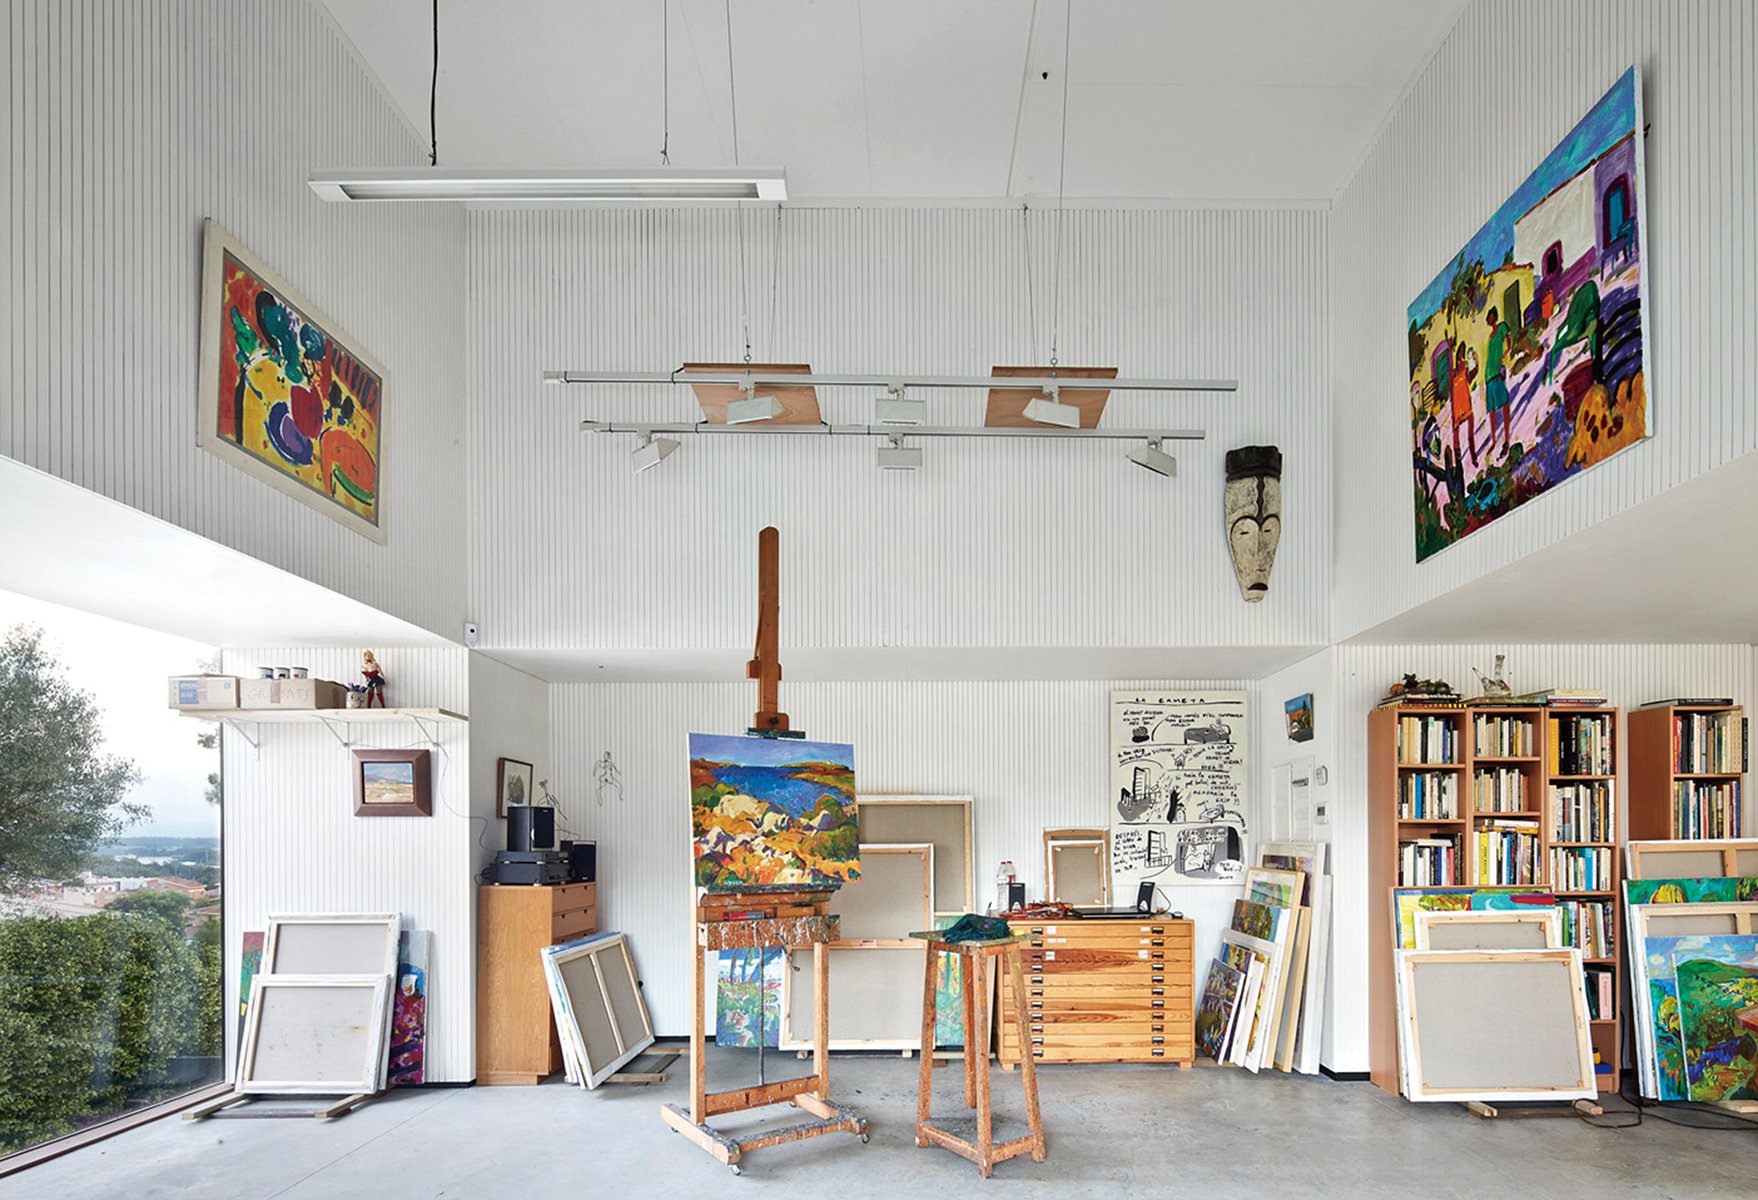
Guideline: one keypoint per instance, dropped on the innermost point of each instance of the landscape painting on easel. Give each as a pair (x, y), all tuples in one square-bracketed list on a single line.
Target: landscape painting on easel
[(772, 812), (1526, 351)]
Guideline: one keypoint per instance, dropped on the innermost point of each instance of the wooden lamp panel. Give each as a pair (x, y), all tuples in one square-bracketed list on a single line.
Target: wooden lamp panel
[(799, 405), (1007, 405)]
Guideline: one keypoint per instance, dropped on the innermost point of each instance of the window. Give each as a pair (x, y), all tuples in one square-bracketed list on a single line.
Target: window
[(110, 959), (1553, 259), (1615, 210)]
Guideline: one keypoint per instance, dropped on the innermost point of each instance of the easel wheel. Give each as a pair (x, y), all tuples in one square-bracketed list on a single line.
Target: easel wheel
[(736, 1169)]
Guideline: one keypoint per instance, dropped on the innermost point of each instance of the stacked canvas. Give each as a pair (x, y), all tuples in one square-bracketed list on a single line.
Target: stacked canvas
[(601, 1016), (1303, 1018), (1241, 1012), (1693, 969)]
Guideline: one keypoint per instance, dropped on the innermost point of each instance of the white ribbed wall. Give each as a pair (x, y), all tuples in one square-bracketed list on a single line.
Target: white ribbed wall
[(1031, 755), (1631, 675), (1509, 82), (992, 544), (293, 843), (126, 124)]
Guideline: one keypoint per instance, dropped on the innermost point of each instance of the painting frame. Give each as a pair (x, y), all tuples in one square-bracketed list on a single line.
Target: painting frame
[(772, 814), (505, 778), (1299, 714), (218, 243), (419, 801)]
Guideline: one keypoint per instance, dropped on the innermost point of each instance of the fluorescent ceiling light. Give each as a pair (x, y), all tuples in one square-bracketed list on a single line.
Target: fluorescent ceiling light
[(644, 184), (651, 452), (1154, 459), (895, 456), (1052, 412), (752, 408)]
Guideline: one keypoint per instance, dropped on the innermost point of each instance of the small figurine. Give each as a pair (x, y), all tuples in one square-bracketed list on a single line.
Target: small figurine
[(1495, 687), (375, 679)]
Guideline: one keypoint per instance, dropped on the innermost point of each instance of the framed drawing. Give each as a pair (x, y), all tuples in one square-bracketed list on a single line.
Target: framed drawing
[(512, 784), (393, 783), (1178, 781), (285, 394)]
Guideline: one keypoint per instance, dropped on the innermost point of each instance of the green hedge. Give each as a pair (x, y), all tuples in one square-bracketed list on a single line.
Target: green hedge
[(92, 1011)]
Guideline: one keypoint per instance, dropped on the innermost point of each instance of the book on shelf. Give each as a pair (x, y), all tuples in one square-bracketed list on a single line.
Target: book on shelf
[(1425, 699), (1428, 796), (1581, 812), (1589, 926), (1428, 862), (1427, 741), (1688, 702), (1601, 987), (1507, 852), (1706, 808), (1709, 743), (1580, 869), (1579, 745), (1498, 790), (1502, 737)]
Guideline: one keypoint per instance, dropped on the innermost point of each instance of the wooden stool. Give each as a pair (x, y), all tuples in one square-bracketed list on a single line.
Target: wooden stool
[(975, 1138)]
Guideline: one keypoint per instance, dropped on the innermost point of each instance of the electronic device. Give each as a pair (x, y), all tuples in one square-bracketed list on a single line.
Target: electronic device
[(540, 868), (582, 861), (530, 827), (1144, 898), (1015, 896)]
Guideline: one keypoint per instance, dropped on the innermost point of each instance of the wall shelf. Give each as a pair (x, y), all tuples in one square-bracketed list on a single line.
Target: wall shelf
[(336, 720)]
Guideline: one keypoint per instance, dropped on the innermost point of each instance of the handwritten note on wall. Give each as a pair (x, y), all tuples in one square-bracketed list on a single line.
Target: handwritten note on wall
[(1178, 780)]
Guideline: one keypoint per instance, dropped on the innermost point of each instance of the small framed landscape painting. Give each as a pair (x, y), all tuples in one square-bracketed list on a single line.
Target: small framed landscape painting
[(512, 784), (1299, 711), (393, 783)]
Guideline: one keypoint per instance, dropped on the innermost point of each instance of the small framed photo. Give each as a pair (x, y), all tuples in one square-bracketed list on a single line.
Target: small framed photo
[(393, 783), (1299, 712), (512, 784)]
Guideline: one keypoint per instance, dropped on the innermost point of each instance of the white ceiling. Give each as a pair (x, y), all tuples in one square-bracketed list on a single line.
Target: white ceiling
[(1680, 568), (63, 544), (1178, 99)]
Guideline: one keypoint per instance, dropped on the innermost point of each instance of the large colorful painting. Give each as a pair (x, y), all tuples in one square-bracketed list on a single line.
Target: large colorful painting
[(1717, 890), (772, 812), (409, 1010), (1526, 351), (1721, 1053), (1661, 1022), (285, 394), (1178, 784), (1214, 1014), (1407, 902), (747, 997)]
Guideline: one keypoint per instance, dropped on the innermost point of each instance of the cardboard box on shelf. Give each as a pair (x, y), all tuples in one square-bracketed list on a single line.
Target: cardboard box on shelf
[(203, 691), (291, 693)]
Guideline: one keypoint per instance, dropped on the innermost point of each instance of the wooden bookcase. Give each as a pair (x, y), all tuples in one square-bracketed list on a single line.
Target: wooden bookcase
[(1507, 781), (1655, 775)]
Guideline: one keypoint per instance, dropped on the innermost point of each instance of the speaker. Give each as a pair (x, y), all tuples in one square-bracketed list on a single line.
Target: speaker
[(1144, 898), (1015, 896), (530, 827), (582, 861)]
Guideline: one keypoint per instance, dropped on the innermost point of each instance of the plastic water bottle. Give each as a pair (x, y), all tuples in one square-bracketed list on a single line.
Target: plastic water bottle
[(1003, 878)]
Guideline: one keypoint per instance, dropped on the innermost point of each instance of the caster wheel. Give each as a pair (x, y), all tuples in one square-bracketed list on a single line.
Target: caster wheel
[(920, 1142), (865, 1139), (736, 1169)]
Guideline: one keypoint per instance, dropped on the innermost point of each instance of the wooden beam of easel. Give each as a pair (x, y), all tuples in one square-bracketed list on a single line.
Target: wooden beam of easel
[(765, 664)]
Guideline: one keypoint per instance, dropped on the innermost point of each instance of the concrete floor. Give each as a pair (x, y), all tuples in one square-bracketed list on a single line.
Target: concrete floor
[(1112, 1131)]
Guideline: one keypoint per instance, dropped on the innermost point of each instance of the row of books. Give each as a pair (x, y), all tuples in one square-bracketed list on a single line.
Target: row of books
[(1601, 987), (1507, 852), (1427, 740), (1428, 796), (1581, 812), (1589, 925), (1580, 869), (1580, 746), (1705, 743), (1498, 789), (1706, 809), (1502, 737), (1428, 862), (1545, 698)]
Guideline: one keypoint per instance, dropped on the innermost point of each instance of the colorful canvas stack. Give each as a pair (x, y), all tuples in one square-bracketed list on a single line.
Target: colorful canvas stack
[(1693, 969), (1241, 1012)]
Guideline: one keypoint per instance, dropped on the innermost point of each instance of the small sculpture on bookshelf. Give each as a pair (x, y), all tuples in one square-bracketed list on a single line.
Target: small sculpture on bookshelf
[(1411, 690), (1494, 687)]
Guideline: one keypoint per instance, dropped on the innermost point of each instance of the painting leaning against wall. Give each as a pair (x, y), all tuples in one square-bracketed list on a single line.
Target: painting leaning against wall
[(1526, 352), (284, 394)]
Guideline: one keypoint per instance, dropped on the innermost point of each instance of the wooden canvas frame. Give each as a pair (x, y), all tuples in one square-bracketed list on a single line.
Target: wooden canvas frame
[(1737, 857), (1063, 839), (1303, 1055), (883, 851), (217, 243), (422, 772), (946, 900), (909, 1019), (1742, 914), (1547, 922), (377, 1006), (1495, 1022), (389, 923), (613, 971)]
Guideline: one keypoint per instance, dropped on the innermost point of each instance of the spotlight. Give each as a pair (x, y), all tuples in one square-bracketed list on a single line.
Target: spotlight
[(1154, 459), (895, 456), (652, 451), (1049, 410), (895, 410), (752, 408)]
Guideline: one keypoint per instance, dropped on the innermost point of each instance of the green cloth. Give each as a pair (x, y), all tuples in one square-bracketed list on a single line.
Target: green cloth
[(1496, 351), (973, 928)]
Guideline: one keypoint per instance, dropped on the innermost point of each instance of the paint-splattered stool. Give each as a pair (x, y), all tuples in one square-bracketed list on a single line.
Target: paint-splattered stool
[(974, 1137)]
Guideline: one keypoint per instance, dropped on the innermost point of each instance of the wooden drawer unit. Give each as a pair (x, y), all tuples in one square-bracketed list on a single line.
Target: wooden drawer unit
[(515, 1033), (1104, 989)]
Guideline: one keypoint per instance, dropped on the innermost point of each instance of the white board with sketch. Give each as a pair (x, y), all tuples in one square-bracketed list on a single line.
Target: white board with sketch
[(1178, 781)]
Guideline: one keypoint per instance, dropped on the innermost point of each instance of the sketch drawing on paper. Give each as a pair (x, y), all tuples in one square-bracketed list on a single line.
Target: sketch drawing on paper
[(1526, 352), (1178, 779)]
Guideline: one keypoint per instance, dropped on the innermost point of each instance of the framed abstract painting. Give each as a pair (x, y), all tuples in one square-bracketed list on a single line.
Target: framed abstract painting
[(1527, 349), (285, 395)]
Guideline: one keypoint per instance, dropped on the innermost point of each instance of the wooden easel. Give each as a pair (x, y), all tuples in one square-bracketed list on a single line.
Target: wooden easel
[(759, 919)]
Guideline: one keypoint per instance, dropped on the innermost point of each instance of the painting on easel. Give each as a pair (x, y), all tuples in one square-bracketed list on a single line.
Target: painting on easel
[(772, 812)]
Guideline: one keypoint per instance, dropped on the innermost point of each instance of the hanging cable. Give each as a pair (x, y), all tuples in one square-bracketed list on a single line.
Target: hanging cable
[(665, 82), (1025, 238), (1061, 177), (732, 87), (433, 95), (774, 283)]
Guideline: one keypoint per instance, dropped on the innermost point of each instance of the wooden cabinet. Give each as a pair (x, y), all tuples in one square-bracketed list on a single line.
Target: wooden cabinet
[(515, 1033), (1104, 989)]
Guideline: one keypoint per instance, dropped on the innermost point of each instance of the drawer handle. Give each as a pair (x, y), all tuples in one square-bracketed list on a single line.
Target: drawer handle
[(1038, 991), (1156, 941), (1159, 1041), (1037, 1004), (1157, 1053), (1159, 991), (1037, 1041), (1157, 1004)]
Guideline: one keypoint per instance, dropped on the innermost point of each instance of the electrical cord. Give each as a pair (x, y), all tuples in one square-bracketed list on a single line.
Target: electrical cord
[(433, 95), (1641, 1107)]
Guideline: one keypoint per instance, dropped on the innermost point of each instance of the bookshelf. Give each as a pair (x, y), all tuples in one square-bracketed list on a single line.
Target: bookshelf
[(1523, 796), (1687, 772)]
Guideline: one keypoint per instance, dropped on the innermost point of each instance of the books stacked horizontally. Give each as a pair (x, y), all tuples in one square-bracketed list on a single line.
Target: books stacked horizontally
[(1428, 699), (1547, 698), (1507, 852), (1428, 862)]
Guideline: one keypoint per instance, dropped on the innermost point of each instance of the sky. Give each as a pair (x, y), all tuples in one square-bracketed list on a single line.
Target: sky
[(767, 752), (124, 668), (1605, 124)]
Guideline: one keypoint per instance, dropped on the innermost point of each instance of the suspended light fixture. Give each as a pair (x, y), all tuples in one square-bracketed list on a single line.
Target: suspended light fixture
[(1154, 459), (651, 452), (894, 409), (895, 456), (1049, 410), (753, 407)]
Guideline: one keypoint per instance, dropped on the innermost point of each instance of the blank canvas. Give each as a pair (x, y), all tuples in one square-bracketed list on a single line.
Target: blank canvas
[(1489, 930), (892, 898), (331, 944), (943, 822), (1079, 871), (875, 998), (319, 1034)]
